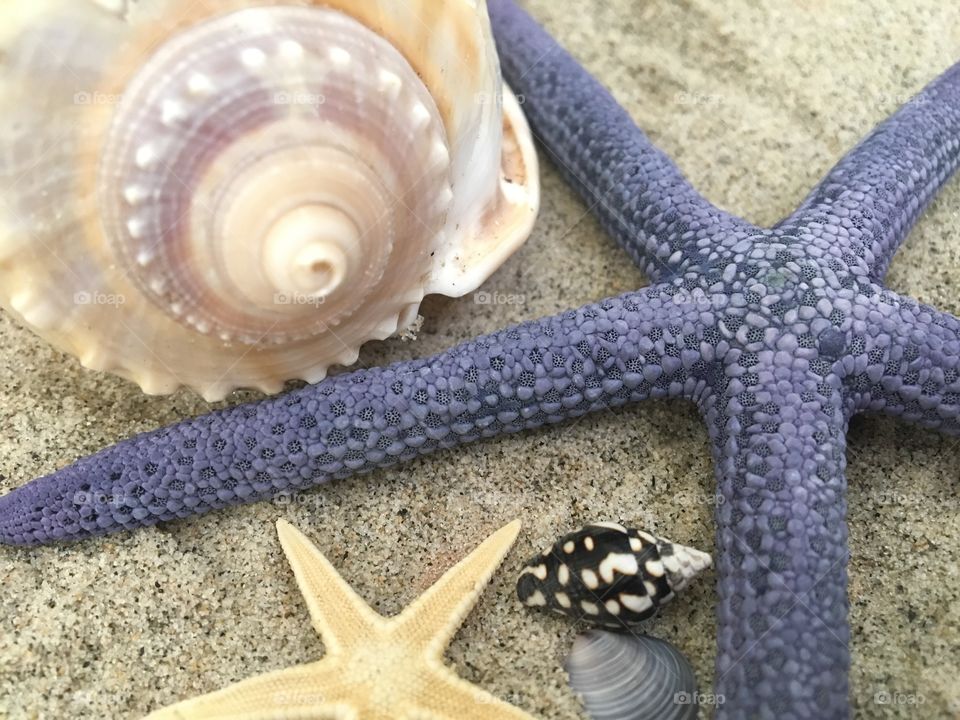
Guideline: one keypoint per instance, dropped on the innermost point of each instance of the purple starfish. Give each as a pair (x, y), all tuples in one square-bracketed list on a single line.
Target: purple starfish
[(779, 336)]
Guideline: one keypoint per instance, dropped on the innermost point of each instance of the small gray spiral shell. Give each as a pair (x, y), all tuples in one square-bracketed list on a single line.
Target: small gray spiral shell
[(632, 677)]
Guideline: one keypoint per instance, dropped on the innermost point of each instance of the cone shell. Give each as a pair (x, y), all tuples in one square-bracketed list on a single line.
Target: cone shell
[(235, 193), (608, 575), (621, 676)]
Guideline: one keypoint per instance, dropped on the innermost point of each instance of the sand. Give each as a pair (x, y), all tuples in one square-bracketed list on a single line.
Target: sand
[(755, 104)]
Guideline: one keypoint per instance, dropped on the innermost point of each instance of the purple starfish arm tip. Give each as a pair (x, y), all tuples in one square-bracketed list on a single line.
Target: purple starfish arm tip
[(778, 335), (641, 198), (867, 204), (625, 349)]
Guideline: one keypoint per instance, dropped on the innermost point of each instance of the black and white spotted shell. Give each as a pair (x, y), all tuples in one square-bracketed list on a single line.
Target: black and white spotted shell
[(609, 575)]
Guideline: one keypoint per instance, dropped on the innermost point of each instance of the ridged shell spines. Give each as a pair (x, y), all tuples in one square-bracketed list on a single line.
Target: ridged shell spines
[(119, 198)]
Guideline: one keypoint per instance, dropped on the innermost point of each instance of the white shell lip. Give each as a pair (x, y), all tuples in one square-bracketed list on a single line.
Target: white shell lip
[(66, 287), (467, 266)]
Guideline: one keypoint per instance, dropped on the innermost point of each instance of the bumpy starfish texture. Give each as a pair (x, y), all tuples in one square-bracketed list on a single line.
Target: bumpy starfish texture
[(778, 335), (375, 668)]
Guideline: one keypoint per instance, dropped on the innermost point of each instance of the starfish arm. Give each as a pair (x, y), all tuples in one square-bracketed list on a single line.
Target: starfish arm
[(433, 619), (909, 365), (864, 208), (456, 699), (639, 345), (306, 691), (337, 612), (782, 611), (639, 195)]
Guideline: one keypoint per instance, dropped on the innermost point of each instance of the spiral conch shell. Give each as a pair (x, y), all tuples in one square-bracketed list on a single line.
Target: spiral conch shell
[(234, 193)]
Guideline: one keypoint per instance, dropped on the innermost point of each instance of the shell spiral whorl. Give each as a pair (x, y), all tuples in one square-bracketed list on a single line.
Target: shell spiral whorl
[(261, 188), (244, 146)]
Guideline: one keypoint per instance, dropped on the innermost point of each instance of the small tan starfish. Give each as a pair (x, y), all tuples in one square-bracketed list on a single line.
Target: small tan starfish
[(375, 668)]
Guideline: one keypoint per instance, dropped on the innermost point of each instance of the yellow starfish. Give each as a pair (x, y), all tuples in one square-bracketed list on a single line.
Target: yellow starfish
[(375, 668)]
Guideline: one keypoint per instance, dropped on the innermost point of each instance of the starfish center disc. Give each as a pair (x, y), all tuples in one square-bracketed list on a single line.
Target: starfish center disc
[(382, 668)]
